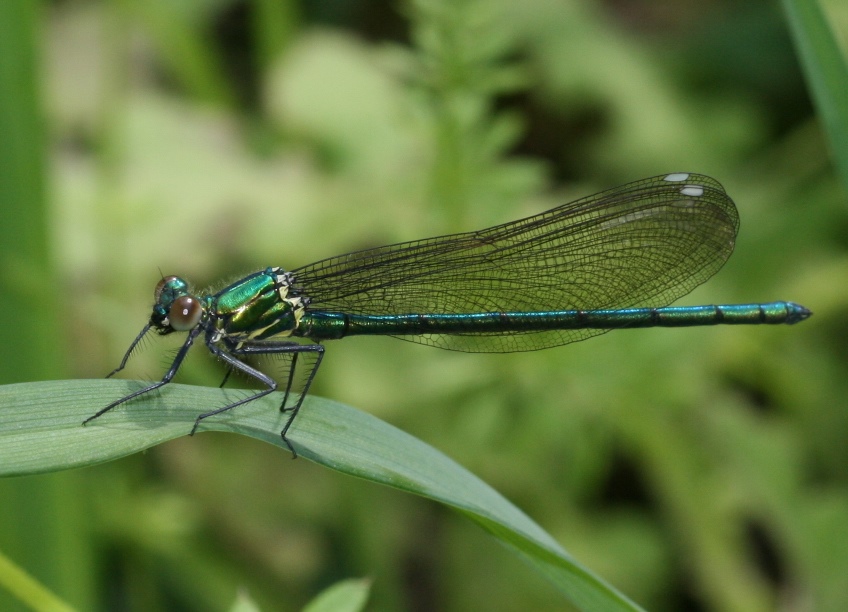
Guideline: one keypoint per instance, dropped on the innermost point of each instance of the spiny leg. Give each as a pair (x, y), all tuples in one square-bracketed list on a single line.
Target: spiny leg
[(290, 381), (276, 348), (236, 364), (126, 358), (169, 375), (226, 377)]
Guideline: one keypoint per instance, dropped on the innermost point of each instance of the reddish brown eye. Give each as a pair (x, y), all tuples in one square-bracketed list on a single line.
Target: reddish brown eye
[(185, 313), (157, 293)]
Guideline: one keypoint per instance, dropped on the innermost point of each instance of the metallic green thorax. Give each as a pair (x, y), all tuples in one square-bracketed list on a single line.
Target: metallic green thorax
[(257, 307)]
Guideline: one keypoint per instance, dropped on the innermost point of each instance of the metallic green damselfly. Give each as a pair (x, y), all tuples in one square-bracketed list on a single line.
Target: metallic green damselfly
[(613, 260)]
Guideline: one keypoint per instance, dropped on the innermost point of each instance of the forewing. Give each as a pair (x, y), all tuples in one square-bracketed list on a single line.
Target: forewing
[(646, 243)]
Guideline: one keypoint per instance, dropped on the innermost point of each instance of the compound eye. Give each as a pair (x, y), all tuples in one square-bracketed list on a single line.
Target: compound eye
[(157, 293), (185, 313)]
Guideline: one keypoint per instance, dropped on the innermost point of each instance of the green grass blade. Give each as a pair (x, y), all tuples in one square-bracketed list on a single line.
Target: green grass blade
[(28, 590), (826, 72), (345, 596), (40, 431), (43, 527)]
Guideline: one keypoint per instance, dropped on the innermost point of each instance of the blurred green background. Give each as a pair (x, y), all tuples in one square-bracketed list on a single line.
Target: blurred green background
[(697, 469)]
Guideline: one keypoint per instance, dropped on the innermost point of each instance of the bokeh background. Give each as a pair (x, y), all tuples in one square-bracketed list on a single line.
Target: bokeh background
[(696, 469)]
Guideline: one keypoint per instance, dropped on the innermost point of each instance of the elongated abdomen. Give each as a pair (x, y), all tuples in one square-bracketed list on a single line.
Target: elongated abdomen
[(327, 325)]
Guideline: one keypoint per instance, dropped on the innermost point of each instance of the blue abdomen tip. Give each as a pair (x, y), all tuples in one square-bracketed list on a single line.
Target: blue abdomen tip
[(796, 312)]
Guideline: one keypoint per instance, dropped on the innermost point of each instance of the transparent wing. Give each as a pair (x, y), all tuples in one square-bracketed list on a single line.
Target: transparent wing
[(646, 243)]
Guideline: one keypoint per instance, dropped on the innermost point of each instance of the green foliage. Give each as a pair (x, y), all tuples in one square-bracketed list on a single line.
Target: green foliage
[(344, 596), (32, 533), (827, 73), (211, 138), (28, 590)]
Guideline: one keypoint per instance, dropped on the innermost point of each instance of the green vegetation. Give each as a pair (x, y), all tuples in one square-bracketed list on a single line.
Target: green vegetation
[(211, 138)]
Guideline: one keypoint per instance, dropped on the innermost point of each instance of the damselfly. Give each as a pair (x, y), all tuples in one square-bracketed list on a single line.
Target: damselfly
[(613, 260)]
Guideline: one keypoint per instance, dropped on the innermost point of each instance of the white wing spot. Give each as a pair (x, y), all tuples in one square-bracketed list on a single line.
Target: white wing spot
[(695, 191), (676, 177)]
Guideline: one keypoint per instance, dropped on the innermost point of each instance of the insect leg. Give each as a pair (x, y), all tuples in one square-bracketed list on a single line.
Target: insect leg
[(226, 378), (169, 375), (126, 358), (265, 348)]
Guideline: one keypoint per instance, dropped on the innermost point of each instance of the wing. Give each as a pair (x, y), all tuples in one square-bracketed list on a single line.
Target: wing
[(646, 243)]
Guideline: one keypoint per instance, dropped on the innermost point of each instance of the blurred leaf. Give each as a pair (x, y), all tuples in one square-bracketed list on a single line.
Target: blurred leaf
[(244, 603), (344, 596), (41, 520), (827, 73), (28, 589), (191, 58), (274, 25), (40, 431), (25, 271)]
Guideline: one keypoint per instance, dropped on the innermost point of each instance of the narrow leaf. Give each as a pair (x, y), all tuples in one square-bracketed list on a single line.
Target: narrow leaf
[(40, 431)]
